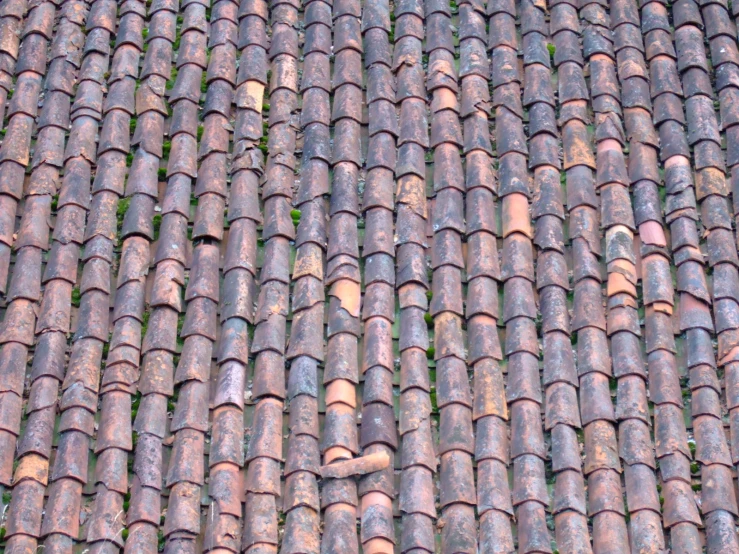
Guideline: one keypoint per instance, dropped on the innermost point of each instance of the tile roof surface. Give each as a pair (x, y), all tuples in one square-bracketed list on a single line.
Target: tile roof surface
[(342, 276)]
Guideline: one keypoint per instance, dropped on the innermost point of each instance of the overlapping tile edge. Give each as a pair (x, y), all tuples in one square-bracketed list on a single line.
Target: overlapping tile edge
[(194, 198)]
